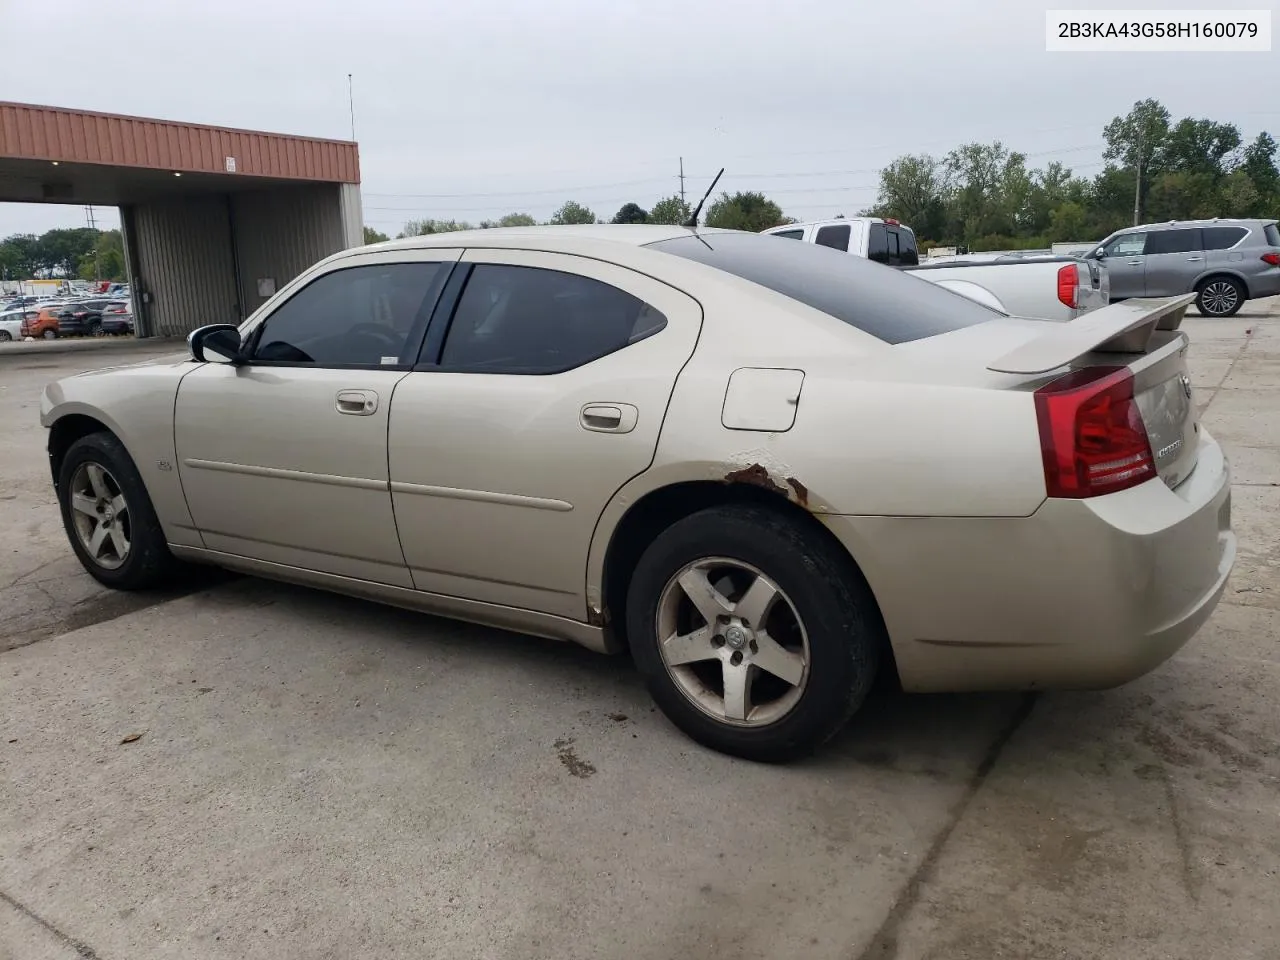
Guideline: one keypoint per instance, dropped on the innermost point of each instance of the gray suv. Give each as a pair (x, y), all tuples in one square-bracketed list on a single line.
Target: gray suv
[(1225, 262)]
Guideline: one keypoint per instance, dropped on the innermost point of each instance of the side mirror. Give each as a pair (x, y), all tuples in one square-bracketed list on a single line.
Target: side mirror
[(1100, 253), (217, 342)]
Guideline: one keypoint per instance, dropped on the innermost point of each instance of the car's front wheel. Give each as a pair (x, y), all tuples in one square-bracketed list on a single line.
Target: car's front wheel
[(1220, 297), (757, 637), (108, 515), (4, 336)]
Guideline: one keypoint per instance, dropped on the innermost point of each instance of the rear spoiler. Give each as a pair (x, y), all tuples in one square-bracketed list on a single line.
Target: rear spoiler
[(1124, 327)]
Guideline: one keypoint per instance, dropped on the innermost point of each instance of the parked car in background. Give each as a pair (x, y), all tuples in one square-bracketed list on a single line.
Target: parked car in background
[(776, 468), (81, 318), (11, 324), (45, 323), (1041, 286), (1223, 262), (117, 317)]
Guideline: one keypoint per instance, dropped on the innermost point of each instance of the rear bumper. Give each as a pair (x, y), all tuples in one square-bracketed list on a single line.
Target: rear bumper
[(1082, 594), (1265, 284)]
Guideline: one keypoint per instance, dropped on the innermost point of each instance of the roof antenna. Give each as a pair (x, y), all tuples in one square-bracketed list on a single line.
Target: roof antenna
[(692, 222)]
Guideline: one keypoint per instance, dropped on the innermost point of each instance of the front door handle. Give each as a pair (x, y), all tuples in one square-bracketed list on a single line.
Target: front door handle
[(609, 417), (1194, 259), (1134, 263), (357, 403)]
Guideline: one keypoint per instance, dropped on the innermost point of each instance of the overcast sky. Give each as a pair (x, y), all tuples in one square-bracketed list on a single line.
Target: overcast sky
[(470, 111)]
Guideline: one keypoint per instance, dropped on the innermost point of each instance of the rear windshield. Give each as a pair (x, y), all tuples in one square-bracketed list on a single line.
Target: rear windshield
[(886, 303), (1272, 233)]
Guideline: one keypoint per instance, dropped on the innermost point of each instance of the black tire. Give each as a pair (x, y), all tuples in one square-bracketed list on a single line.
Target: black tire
[(4, 336), (1220, 297), (95, 329), (828, 594), (148, 562), (50, 334)]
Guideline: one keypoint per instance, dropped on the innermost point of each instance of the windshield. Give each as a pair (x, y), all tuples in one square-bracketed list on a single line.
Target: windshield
[(889, 304)]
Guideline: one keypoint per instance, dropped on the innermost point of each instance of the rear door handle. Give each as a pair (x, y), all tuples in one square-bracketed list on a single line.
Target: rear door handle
[(357, 403), (1194, 259), (1134, 263), (609, 417)]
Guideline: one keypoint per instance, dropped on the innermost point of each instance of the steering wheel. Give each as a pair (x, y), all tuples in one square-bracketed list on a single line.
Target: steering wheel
[(384, 336)]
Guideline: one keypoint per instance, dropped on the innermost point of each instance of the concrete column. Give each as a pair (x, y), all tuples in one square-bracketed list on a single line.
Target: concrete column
[(352, 215)]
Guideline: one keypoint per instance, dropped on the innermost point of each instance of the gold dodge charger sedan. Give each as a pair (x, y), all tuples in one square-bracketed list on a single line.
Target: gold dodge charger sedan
[(768, 469)]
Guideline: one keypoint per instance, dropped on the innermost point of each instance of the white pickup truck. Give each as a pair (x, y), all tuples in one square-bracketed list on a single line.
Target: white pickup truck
[(1043, 287)]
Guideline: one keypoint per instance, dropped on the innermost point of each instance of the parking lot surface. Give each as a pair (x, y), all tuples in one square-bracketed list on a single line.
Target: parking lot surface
[(311, 776)]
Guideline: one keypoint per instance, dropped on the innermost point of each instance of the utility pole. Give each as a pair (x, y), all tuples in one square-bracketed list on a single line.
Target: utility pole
[(1137, 185), (351, 105), (682, 203), (93, 225)]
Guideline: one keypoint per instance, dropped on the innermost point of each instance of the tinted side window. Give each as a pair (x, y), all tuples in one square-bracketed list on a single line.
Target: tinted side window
[(1272, 233), (1173, 241), (910, 255), (1127, 245), (789, 234), (878, 243), (1223, 238), (835, 237), (895, 248), (891, 305), (362, 316), (535, 321)]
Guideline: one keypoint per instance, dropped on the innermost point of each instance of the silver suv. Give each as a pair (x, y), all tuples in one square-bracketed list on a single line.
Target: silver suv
[(1225, 262)]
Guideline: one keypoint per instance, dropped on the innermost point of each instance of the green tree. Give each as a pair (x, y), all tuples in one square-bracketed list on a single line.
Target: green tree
[(744, 211), (1068, 221), (630, 213), (61, 251), (106, 260), (1198, 146), (19, 257), (912, 189), (1239, 195), (1137, 140), (422, 228), (1259, 164), (670, 210), (573, 212), (509, 220), (374, 236), (1182, 195)]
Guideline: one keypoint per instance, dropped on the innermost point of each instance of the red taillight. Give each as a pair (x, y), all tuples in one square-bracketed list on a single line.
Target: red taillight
[(1091, 434), (1272, 258), (1068, 284), (891, 221)]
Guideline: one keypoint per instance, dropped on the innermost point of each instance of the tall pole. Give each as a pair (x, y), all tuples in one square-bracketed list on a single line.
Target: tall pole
[(1137, 184), (682, 203), (351, 105)]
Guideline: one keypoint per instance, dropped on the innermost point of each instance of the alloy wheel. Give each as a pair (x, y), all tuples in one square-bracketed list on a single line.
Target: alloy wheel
[(732, 641), (1220, 297), (101, 515)]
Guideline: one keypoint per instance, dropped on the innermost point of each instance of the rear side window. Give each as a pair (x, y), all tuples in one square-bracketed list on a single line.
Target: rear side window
[(907, 247), (535, 321), (1223, 238), (1173, 241), (878, 243), (790, 234), (835, 237), (1272, 233), (892, 306)]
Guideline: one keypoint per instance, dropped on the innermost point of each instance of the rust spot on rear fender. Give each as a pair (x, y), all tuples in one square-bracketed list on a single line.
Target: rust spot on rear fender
[(802, 492), (757, 476)]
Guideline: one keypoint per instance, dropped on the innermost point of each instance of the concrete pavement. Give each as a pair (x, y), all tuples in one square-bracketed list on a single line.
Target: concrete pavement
[(318, 777)]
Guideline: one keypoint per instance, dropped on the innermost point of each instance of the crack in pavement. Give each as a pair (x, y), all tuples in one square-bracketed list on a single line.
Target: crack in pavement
[(81, 948), (884, 944), (1248, 338)]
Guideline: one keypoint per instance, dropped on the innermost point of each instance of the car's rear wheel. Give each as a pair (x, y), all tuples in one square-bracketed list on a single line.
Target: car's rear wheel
[(1220, 297), (95, 329), (108, 515), (756, 637), (50, 334)]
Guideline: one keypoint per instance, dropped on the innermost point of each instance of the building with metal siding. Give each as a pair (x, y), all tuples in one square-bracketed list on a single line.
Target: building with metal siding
[(212, 217)]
